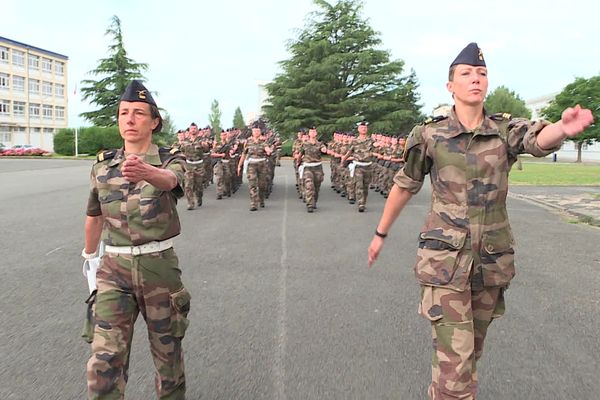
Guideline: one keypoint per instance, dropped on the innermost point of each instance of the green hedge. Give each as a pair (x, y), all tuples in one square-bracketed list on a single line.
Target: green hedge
[(95, 138)]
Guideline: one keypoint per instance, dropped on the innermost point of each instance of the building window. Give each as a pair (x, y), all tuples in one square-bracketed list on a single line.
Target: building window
[(18, 83), (4, 107), (4, 81), (34, 110), (59, 90), (18, 58), (48, 130), (34, 86), (3, 55), (47, 111), (60, 112), (59, 68), (47, 88), (19, 108), (34, 62), (5, 135), (47, 65)]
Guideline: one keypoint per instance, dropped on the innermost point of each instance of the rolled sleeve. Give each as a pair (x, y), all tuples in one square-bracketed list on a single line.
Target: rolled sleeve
[(177, 166), (522, 137), (93, 206), (411, 176)]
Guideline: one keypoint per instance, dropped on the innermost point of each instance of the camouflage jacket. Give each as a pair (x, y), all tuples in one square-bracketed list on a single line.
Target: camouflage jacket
[(361, 149), (467, 226), (193, 150), (135, 213), (311, 152), (255, 148)]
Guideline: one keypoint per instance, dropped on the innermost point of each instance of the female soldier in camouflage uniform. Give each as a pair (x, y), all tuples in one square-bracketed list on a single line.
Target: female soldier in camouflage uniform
[(311, 168), (132, 204), (256, 152), (465, 258)]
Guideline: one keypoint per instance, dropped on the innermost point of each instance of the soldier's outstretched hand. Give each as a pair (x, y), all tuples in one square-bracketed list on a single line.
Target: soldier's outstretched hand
[(575, 120), (374, 249)]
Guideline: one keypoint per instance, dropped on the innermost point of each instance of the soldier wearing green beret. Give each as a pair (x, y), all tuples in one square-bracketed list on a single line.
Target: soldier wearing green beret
[(465, 256), (132, 208)]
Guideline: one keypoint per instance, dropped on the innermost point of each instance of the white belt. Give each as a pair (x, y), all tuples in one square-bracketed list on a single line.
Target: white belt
[(225, 161), (256, 160), (363, 164), (312, 164), (195, 162), (151, 247)]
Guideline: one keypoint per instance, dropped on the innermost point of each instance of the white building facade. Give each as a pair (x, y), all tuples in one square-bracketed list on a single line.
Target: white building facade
[(33, 94)]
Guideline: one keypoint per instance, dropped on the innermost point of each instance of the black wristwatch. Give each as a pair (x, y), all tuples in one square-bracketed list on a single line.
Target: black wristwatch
[(381, 235)]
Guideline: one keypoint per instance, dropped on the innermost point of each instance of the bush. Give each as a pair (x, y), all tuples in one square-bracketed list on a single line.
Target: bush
[(64, 142), (286, 148), (91, 140)]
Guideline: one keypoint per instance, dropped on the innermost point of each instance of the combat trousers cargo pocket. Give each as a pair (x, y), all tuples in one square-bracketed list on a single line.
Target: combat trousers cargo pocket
[(180, 307), (90, 319), (500, 305), (428, 307)]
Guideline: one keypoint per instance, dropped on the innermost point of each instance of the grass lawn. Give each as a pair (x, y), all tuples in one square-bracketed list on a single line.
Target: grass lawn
[(545, 173)]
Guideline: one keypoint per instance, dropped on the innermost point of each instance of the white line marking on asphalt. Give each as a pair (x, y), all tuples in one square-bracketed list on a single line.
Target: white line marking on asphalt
[(52, 251), (279, 364)]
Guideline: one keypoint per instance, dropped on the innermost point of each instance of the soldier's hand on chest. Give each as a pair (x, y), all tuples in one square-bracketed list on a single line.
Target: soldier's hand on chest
[(135, 169)]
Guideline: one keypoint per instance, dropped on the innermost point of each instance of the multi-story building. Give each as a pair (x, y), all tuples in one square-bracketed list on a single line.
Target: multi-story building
[(33, 94)]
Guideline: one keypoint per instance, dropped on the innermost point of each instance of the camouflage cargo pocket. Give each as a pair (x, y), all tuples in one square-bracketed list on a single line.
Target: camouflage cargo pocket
[(439, 259), (180, 307), (428, 307), (498, 257), (90, 320)]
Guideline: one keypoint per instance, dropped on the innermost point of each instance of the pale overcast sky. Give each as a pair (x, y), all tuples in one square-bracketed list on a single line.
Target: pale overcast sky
[(201, 50)]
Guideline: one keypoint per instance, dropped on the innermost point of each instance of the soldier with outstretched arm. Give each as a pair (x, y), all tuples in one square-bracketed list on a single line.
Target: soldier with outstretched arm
[(465, 256), (132, 208)]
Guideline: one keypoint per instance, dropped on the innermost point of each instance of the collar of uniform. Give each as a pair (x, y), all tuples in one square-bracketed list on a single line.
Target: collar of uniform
[(152, 157), (455, 128)]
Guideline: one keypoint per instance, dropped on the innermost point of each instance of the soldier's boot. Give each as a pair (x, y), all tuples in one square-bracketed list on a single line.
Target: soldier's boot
[(219, 197), (190, 207), (377, 189), (309, 209), (343, 194), (351, 201), (361, 208), (199, 201), (253, 208), (262, 204)]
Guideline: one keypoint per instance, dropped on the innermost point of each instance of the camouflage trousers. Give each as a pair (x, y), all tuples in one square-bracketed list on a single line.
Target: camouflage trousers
[(223, 177), (194, 184), (312, 178), (360, 183), (127, 285), (257, 182), (459, 323), (335, 170)]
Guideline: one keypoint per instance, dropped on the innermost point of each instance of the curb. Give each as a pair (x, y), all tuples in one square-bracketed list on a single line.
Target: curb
[(588, 219)]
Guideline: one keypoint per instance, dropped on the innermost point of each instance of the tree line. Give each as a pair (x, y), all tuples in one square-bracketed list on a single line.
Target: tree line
[(337, 74)]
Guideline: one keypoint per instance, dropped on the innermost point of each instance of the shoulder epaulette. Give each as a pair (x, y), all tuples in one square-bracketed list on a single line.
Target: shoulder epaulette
[(438, 118), (501, 117), (106, 155)]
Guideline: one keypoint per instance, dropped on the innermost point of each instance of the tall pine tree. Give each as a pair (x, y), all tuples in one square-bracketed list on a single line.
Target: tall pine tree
[(238, 119), (337, 76), (214, 118), (115, 72)]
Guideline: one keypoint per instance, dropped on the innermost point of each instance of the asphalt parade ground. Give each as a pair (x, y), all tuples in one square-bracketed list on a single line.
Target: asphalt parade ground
[(283, 304)]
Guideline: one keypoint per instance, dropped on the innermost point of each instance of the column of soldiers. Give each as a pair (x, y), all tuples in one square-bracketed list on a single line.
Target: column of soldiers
[(207, 158), (389, 155)]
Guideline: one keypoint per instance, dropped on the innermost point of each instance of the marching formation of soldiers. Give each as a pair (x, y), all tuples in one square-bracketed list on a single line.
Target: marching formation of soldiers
[(223, 160), (358, 162)]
